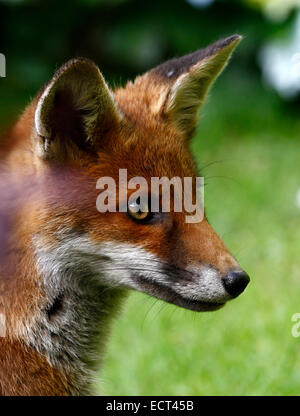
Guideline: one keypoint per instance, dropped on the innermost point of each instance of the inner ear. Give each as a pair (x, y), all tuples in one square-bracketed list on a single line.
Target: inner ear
[(193, 81), (68, 120), (76, 109)]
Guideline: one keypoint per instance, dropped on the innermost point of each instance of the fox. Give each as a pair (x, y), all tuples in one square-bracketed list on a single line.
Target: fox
[(66, 268)]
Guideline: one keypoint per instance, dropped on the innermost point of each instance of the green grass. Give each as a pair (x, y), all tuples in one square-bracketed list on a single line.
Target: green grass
[(245, 348)]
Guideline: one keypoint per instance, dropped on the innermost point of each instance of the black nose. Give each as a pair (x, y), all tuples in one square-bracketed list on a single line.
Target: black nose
[(235, 282)]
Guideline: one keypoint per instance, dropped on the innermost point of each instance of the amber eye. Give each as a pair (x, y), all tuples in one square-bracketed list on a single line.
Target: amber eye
[(137, 211)]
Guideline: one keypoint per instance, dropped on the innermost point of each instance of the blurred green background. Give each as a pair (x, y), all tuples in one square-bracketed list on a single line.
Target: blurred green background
[(249, 147)]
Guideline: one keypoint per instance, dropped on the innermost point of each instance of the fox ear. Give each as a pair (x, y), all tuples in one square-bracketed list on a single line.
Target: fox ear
[(75, 107), (187, 81)]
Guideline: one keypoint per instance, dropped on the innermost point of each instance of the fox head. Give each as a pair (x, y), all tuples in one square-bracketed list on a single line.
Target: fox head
[(81, 131)]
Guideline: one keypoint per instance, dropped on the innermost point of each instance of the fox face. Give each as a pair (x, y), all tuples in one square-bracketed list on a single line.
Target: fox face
[(81, 131), (75, 236)]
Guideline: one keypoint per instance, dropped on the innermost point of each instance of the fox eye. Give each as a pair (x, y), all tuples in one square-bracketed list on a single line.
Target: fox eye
[(138, 212)]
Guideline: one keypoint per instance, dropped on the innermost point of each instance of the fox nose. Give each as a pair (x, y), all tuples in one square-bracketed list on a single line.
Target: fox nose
[(235, 282)]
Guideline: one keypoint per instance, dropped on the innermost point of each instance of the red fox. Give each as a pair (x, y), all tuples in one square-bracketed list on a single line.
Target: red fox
[(65, 268)]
